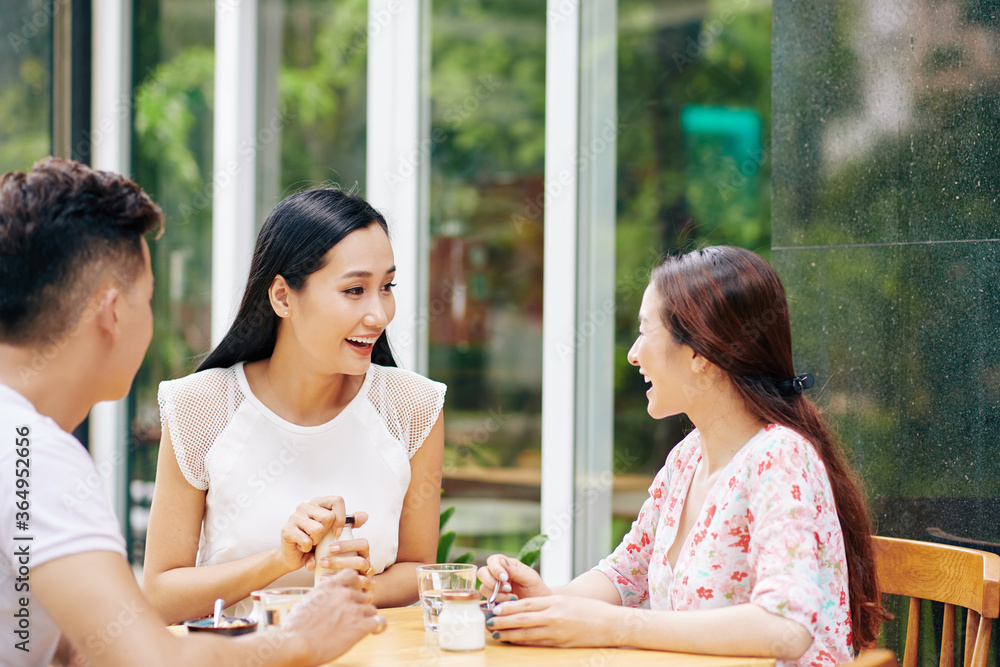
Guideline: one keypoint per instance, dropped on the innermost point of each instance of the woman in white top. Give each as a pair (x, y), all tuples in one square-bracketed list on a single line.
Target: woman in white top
[(299, 411)]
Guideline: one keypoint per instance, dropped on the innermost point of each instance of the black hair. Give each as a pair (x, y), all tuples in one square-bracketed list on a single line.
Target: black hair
[(62, 224), (293, 243)]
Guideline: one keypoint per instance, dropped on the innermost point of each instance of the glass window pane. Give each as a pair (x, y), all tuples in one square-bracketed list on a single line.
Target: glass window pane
[(173, 77), (694, 94), (313, 88), (485, 275), (25, 83)]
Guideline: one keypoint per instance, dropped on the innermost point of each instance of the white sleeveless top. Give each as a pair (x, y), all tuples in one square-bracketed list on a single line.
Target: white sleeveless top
[(257, 467)]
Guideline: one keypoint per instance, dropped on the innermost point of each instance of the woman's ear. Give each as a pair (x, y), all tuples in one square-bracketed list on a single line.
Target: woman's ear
[(699, 364), (279, 293)]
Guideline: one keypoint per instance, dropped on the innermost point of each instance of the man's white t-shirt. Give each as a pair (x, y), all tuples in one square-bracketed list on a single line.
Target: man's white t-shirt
[(61, 509)]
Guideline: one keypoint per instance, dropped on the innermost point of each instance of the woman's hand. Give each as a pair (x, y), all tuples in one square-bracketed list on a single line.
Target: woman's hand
[(306, 527), (361, 563), (557, 620), (518, 579)]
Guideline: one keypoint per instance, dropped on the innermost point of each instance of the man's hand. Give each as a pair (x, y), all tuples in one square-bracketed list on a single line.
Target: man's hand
[(334, 616)]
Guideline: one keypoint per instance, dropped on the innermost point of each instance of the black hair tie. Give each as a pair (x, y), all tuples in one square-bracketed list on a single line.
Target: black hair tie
[(796, 385)]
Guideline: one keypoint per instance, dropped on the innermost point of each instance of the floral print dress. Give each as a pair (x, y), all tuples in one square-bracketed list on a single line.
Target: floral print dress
[(768, 534)]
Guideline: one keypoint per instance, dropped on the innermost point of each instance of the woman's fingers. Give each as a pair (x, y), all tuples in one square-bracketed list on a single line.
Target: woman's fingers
[(535, 636), (314, 519), (360, 518), (516, 607), (293, 533), (358, 545), (357, 563)]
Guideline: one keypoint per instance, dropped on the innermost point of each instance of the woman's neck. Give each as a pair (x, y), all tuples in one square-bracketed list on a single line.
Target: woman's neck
[(298, 393), (725, 425)]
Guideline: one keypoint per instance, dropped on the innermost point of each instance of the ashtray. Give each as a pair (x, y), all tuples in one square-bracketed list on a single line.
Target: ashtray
[(230, 627)]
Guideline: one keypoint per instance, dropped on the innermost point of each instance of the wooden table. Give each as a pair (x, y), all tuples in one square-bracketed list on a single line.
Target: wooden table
[(405, 643)]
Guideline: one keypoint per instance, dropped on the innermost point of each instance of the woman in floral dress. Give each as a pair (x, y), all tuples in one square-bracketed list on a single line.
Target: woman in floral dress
[(755, 539)]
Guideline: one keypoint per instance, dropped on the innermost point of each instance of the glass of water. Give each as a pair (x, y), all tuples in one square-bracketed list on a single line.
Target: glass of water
[(277, 602), (433, 579)]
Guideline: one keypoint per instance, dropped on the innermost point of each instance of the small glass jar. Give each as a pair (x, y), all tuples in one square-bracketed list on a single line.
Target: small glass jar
[(257, 613), (461, 625)]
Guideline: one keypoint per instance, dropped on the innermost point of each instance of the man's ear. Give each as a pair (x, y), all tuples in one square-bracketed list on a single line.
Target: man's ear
[(105, 305), (278, 294)]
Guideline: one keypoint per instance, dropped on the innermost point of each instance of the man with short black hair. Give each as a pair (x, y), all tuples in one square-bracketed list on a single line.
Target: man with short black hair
[(75, 321)]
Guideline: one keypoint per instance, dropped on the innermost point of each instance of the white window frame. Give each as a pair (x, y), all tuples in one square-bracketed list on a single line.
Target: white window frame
[(578, 329), (111, 124)]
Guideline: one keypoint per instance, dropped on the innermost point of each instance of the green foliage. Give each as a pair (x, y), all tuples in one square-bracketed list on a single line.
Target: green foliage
[(445, 515), (25, 105), (532, 550), (446, 541)]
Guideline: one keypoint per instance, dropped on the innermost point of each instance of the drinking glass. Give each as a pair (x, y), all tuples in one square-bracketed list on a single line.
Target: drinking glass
[(433, 579), (277, 602)]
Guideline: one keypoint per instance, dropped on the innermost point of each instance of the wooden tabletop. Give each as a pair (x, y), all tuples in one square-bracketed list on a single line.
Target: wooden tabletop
[(405, 643)]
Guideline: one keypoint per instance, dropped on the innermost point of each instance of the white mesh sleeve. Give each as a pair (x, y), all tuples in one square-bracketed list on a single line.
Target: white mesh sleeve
[(408, 403), (196, 409)]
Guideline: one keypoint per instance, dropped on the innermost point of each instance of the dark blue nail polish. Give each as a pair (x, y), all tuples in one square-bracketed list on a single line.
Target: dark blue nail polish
[(513, 597), (489, 623), (496, 635)]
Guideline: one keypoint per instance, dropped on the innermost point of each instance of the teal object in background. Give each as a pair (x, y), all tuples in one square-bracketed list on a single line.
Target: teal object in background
[(738, 129), (723, 156)]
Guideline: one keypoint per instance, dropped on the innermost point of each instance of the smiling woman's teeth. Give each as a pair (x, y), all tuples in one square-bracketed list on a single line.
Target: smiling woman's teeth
[(363, 342)]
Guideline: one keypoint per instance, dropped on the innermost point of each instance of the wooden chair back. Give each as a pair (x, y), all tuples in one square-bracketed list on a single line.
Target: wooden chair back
[(957, 577)]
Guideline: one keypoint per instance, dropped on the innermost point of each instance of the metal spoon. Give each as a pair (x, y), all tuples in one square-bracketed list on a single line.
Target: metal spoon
[(217, 615), (492, 599)]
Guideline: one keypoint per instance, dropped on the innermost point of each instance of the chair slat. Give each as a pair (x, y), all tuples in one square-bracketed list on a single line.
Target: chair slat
[(912, 634), (948, 637), (972, 621), (981, 650)]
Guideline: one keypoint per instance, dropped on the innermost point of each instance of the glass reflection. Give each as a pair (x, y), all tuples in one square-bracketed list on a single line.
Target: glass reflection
[(694, 97), (887, 176), (487, 130), (25, 83), (312, 86), (173, 81)]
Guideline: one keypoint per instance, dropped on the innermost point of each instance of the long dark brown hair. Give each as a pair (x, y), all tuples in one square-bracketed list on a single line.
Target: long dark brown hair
[(729, 306)]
